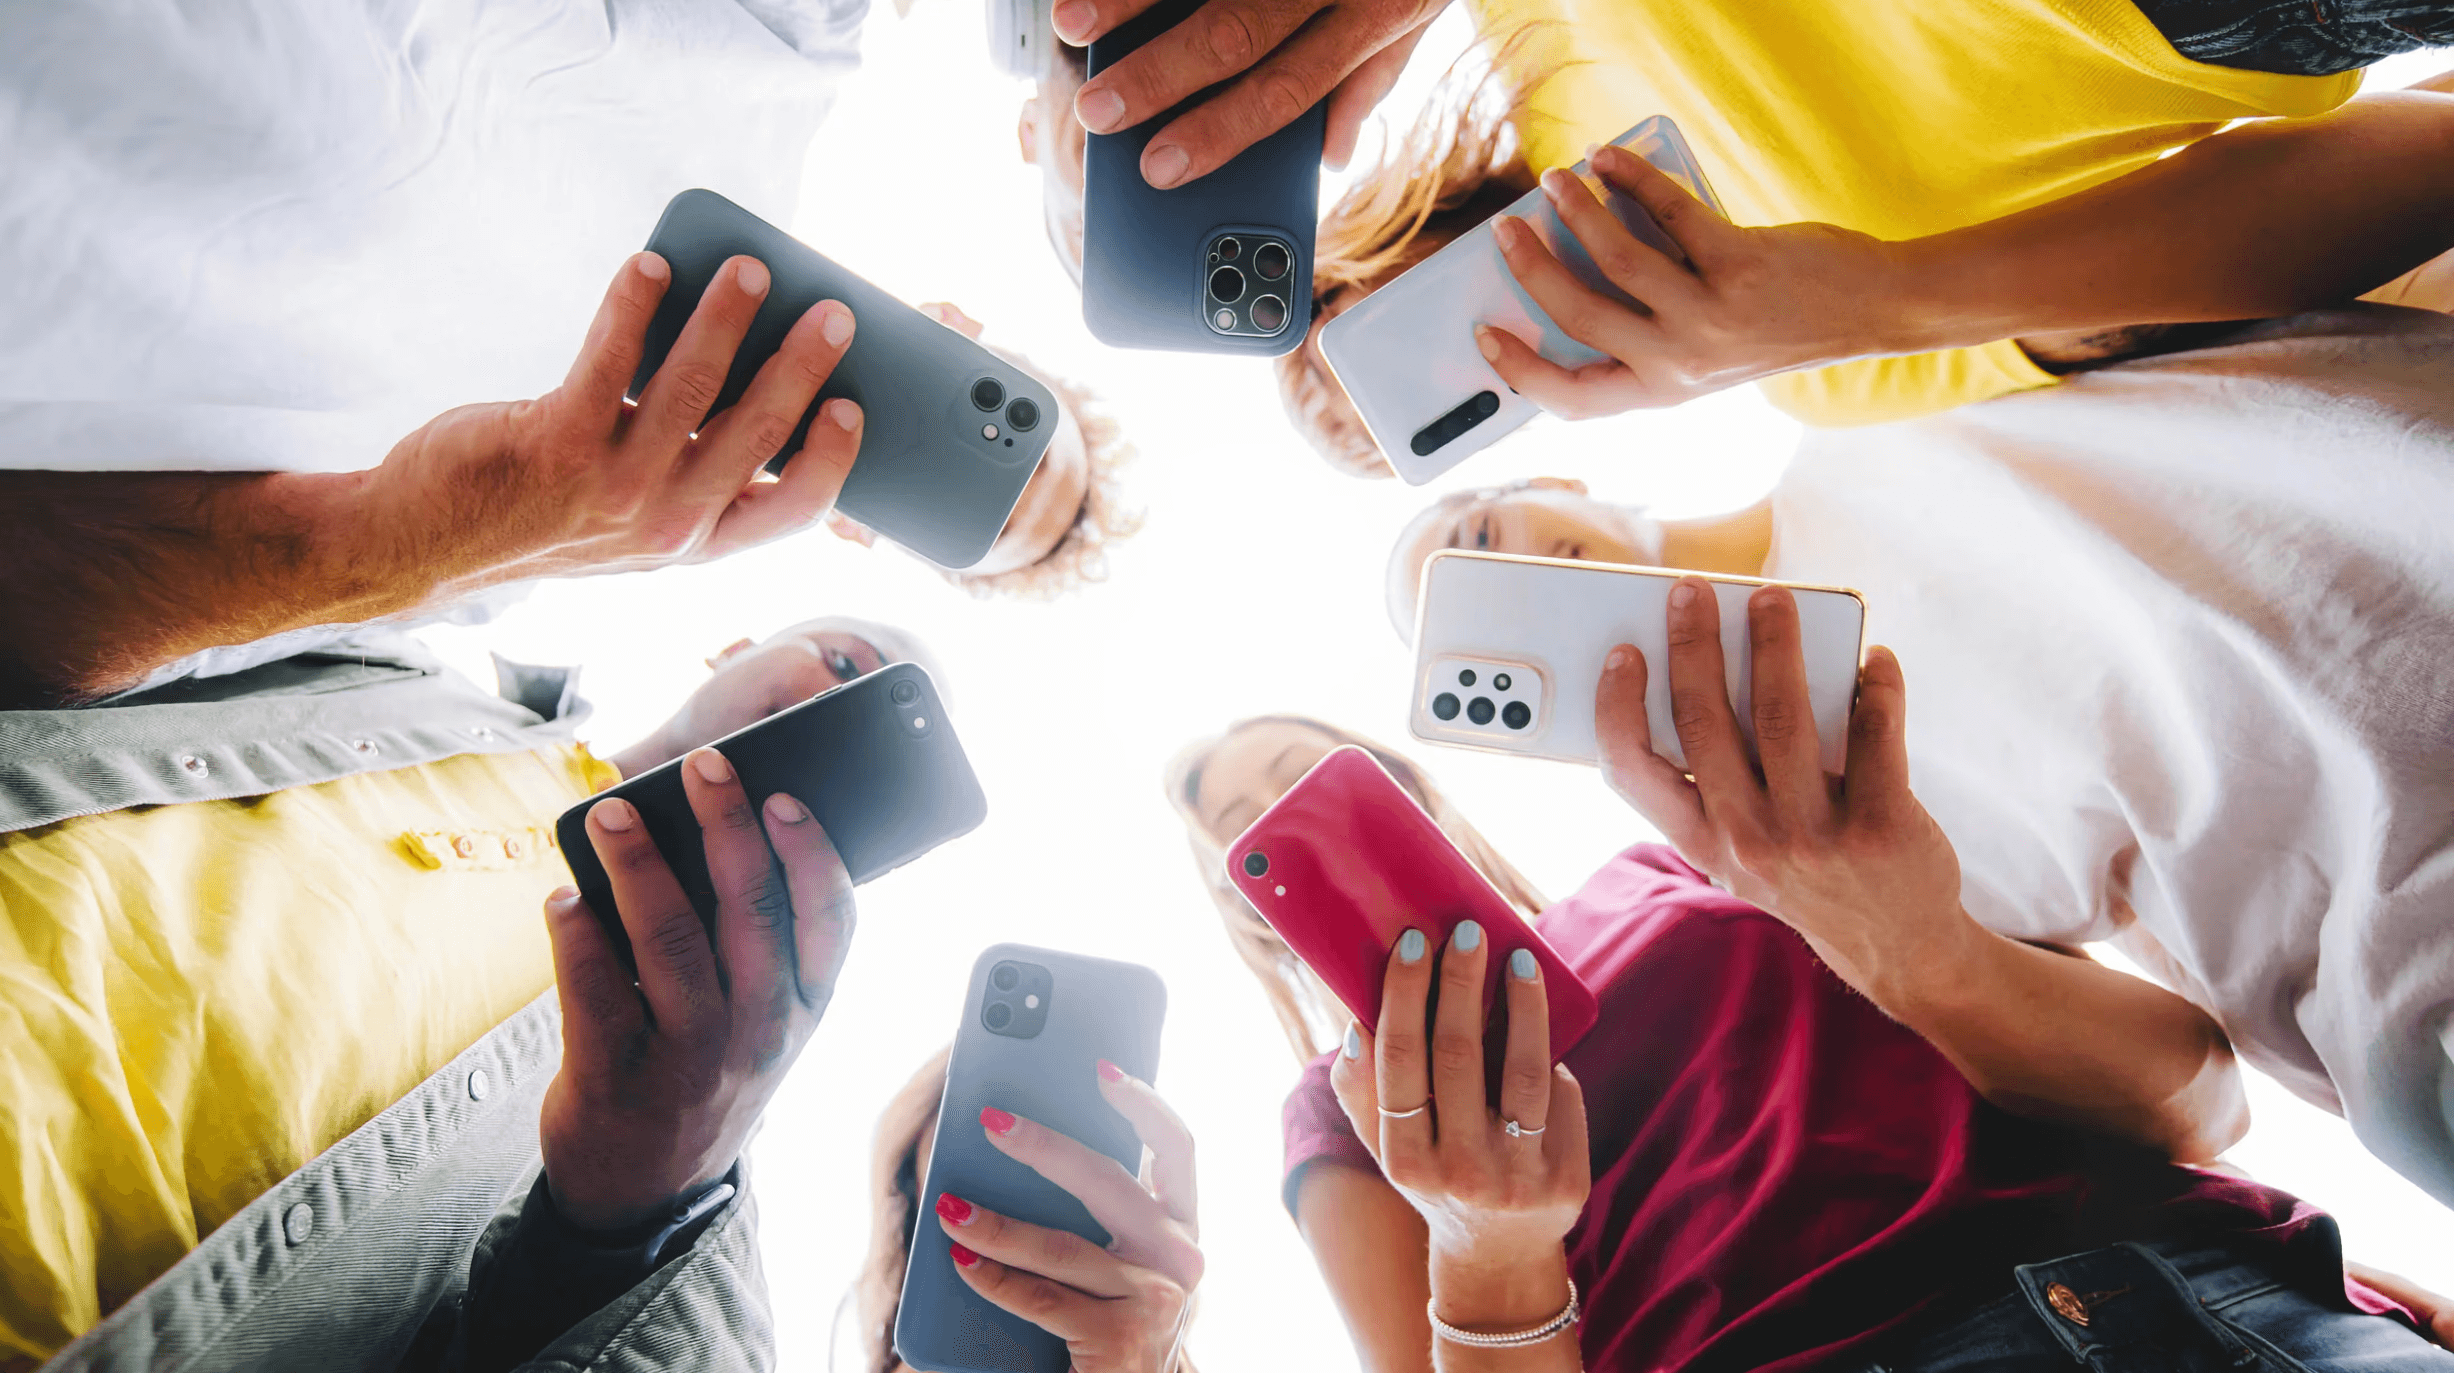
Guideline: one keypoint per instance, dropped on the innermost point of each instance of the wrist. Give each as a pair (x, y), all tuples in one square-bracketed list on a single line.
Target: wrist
[(1921, 979), (1494, 1289), (1943, 295)]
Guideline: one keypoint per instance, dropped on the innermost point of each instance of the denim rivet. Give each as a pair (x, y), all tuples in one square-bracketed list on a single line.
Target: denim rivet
[(194, 766), (479, 1085), (298, 1222)]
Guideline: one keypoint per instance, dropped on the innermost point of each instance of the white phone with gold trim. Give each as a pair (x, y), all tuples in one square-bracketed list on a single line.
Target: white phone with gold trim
[(1509, 650)]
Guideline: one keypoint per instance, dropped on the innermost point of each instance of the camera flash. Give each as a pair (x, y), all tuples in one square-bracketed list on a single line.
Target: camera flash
[(988, 431), (1031, 1001), (920, 722), (1281, 891), (1226, 319)]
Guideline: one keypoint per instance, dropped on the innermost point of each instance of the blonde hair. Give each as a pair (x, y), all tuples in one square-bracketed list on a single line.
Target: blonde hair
[(1458, 165), (895, 1211), (1101, 522), (1310, 1015)]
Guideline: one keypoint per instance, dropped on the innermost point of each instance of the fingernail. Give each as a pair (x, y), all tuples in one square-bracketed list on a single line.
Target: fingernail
[(1468, 936), (834, 324), (1410, 947), (562, 899), (711, 766), (615, 814), (1682, 596), (996, 1122), (1073, 20), (1484, 341), (1510, 231), (1110, 1071), (786, 810), (1353, 1048), (1554, 183), (845, 414), (751, 277), (954, 1208), (963, 1258), (1164, 166), (1522, 964), (652, 267), (1099, 110), (1620, 658)]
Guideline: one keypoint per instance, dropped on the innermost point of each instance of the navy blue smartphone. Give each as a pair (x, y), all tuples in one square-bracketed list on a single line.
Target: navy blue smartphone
[(875, 760), (1218, 265), (1036, 1022), (950, 431)]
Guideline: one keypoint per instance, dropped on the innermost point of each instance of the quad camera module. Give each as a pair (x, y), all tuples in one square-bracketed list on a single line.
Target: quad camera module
[(1245, 293), (1483, 695)]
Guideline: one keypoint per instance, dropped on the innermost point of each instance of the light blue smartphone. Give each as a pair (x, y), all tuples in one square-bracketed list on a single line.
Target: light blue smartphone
[(1406, 353)]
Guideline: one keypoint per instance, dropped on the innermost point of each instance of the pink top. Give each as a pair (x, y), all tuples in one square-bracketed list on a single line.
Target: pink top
[(1782, 1175)]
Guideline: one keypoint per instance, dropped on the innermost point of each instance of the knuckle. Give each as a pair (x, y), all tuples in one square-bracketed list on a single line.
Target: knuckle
[(1283, 98), (1691, 713), (1872, 723), (1454, 1051), (675, 937), (737, 814), (768, 904), (1527, 1080), (1232, 37), (1777, 719), (695, 386), (766, 434)]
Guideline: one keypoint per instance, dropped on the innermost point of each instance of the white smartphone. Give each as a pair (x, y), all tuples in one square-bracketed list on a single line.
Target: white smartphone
[(1509, 650), (1406, 353)]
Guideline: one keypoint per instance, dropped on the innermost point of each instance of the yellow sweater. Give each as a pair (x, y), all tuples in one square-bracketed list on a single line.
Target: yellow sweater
[(197, 999), (1897, 118)]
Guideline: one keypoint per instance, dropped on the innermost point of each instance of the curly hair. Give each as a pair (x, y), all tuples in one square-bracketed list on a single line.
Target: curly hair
[(1103, 520), (1458, 165)]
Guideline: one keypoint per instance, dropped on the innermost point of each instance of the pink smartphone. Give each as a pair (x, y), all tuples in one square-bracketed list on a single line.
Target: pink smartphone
[(1346, 862)]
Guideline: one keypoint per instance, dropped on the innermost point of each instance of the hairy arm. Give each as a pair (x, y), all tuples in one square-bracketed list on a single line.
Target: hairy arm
[(1373, 1251), (112, 574)]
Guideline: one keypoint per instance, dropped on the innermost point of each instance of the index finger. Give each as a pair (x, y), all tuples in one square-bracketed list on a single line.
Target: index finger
[(753, 906), (1221, 40), (677, 968), (1286, 85), (1402, 1063), (823, 913), (1172, 1177), (1700, 705), (1138, 1226), (601, 375)]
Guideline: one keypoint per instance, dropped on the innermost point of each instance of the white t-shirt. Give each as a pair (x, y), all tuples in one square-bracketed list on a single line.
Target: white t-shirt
[(2179, 643), (282, 234)]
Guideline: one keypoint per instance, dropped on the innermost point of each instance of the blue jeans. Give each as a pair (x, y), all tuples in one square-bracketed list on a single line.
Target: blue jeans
[(2299, 37), (2165, 1308)]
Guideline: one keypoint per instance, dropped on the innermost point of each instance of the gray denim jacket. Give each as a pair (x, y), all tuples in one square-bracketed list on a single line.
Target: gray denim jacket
[(339, 1265)]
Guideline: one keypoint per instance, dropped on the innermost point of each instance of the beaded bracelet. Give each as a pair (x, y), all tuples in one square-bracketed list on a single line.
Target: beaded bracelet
[(1515, 1339)]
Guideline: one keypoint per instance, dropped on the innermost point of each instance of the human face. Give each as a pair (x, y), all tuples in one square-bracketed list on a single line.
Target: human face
[(1250, 769), (1050, 503), (1053, 140)]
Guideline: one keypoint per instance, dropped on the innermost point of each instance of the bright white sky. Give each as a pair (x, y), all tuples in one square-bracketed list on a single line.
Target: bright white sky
[(1254, 588)]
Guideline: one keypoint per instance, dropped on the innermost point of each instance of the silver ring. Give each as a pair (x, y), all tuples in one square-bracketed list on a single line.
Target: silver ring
[(1516, 1131), (1387, 1114)]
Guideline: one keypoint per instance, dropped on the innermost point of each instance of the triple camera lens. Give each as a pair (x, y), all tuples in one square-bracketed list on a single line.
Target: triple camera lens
[(1270, 261), (1269, 314), (1227, 285)]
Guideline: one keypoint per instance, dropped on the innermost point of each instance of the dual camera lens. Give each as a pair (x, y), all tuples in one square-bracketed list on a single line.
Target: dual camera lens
[(1022, 415)]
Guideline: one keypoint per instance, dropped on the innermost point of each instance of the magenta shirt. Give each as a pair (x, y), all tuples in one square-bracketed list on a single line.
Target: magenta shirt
[(1783, 1175)]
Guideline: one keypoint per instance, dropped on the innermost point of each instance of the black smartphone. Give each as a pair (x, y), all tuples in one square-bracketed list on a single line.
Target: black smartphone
[(1218, 265), (950, 431), (1035, 1024), (875, 760)]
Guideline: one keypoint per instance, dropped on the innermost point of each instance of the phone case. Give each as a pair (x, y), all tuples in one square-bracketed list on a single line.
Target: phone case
[(1406, 353), (937, 473), (1093, 1008), (1147, 253), (875, 760), (1346, 861), (1533, 632)]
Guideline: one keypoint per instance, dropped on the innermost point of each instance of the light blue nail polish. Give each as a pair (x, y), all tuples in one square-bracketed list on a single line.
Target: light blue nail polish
[(1410, 947), (1469, 936), (1354, 1042), (1522, 964)]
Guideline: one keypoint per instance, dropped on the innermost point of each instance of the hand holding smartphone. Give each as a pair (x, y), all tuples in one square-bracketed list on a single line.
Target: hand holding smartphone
[(1345, 863), (950, 432), (1509, 652), (874, 760), (1406, 353), (1026, 1112)]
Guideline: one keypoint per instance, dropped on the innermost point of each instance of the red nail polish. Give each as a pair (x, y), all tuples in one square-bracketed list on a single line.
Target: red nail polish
[(963, 1258), (954, 1208), (998, 1122), (1110, 1071)]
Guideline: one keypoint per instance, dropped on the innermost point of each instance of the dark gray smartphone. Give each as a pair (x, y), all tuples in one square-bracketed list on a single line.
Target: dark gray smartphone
[(1218, 265), (1036, 1022), (874, 759), (950, 431)]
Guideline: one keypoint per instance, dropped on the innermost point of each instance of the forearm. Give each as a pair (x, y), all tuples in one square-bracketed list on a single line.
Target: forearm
[(2062, 1037), (112, 574), (2266, 219), (1502, 1294), (1371, 1248)]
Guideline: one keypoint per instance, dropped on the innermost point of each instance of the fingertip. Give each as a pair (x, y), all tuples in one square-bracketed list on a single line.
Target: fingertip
[(963, 1258), (1621, 659), (652, 266), (1352, 1047), (1487, 342), (835, 322), (1685, 593), (614, 815), (712, 767), (750, 275), (1110, 1073), (784, 810), (562, 901), (844, 414)]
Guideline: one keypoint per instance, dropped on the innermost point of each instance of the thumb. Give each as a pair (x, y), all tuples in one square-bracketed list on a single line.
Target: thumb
[(1702, 233), (1352, 1077)]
